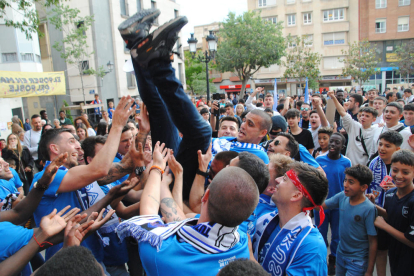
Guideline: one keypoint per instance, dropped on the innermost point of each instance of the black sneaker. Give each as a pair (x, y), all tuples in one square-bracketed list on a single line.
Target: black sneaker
[(332, 265), (137, 26), (159, 44)]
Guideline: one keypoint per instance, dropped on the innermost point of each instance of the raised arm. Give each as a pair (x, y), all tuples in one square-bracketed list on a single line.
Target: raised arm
[(316, 102), (168, 206), (177, 170), (338, 106), (81, 176), (249, 101), (214, 106), (285, 107), (25, 208)]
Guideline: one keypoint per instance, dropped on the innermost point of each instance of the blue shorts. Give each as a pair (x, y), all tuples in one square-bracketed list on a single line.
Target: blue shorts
[(350, 267)]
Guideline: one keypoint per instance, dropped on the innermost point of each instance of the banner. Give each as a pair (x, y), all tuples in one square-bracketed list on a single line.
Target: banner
[(275, 96), (29, 84)]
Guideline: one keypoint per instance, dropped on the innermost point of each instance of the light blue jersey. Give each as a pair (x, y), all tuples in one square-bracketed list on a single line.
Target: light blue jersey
[(6, 187), (13, 238), (334, 170), (16, 179)]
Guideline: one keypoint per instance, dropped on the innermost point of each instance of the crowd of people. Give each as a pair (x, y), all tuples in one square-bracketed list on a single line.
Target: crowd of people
[(230, 187)]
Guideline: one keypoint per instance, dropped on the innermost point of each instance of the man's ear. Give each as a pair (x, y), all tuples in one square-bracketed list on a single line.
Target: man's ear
[(89, 159), (297, 196), (54, 149), (287, 153), (270, 189), (206, 195)]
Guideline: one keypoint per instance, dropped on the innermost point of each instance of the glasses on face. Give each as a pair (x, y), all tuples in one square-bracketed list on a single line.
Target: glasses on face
[(305, 109)]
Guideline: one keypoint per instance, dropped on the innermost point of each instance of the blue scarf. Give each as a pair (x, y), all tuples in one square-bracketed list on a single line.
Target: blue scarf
[(379, 171), (276, 255), (227, 143)]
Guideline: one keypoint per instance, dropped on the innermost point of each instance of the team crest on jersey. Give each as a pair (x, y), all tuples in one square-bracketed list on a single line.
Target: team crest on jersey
[(405, 211), (357, 218)]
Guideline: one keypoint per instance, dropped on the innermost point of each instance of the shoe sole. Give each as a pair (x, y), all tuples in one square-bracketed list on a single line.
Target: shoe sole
[(128, 26), (156, 39)]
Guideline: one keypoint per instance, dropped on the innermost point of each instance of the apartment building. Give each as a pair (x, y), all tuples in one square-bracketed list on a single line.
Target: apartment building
[(329, 25), (387, 24)]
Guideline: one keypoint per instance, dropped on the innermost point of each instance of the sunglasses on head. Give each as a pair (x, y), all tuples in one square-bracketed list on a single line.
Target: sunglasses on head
[(305, 108)]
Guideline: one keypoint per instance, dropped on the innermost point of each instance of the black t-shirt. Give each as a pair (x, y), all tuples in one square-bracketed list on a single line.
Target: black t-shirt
[(400, 212), (305, 124), (305, 139)]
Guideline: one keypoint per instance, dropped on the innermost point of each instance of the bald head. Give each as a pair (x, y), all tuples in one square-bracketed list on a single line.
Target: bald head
[(233, 197)]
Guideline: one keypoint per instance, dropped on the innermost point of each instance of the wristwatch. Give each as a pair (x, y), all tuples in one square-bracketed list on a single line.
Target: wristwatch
[(205, 174), (39, 187), (139, 170)]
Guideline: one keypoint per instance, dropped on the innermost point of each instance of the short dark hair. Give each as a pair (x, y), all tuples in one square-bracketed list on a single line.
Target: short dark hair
[(361, 173), (233, 197), (241, 101), (242, 267), (73, 260), (397, 106), (268, 109), (34, 116), (257, 169), (88, 146), (313, 112), (342, 137), (259, 104), (369, 109), (393, 137), (42, 112), (47, 138), (292, 146), (292, 113), (339, 90), (243, 115), (226, 156), (358, 98), (102, 128), (404, 157), (229, 105), (61, 111), (408, 90), (266, 122), (325, 130), (231, 119), (313, 180), (389, 95), (380, 98), (221, 110), (205, 110), (409, 107)]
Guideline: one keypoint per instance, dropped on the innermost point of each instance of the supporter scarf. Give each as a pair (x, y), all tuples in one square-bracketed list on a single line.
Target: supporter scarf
[(379, 171), (276, 255), (209, 238), (8, 201), (226, 143), (300, 124)]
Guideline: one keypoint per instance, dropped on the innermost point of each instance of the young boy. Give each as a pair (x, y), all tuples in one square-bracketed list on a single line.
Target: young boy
[(334, 165), (324, 134), (379, 105), (317, 120), (408, 115), (397, 216), (110, 109), (358, 236), (302, 136), (389, 142)]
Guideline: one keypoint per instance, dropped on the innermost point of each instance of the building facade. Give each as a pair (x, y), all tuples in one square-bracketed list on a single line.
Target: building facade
[(387, 24), (329, 27)]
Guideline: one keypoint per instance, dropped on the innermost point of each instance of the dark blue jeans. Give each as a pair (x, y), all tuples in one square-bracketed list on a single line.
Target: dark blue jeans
[(170, 109)]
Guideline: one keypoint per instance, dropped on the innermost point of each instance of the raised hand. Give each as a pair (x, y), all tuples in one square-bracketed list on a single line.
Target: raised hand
[(136, 155), (99, 220), (346, 106), (160, 155), (143, 120), (124, 188), (331, 94), (51, 170), (204, 159), (167, 177), (75, 233), (53, 223), (174, 165), (316, 102), (123, 111)]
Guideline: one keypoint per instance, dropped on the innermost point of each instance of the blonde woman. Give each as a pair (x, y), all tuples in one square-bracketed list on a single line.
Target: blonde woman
[(239, 109)]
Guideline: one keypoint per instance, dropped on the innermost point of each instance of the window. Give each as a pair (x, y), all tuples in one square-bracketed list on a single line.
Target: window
[(380, 4), (291, 19), (176, 13), (272, 20), (27, 56), (79, 25), (262, 3), (292, 43), (307, 18), (84, 65), (265, 3), (154, 6), (333, 15), (332, 63), (290, 1), (380, 26), (270, 69), (308, 40), (124, 7), (180, 72), (333, 39), (403, 2), (131, 83), (8, 57), (403, 23)]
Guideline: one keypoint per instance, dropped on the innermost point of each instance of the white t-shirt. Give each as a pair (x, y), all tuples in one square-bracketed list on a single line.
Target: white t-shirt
[(406, 133), (31, 141), (379, 120), (91, 132), (355, 151)]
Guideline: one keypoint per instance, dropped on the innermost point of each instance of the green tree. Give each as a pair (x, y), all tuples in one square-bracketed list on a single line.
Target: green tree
[(360, 61), (74, 47), (248, 43), (405, 57), (30, 22), (301, 62), (195, 74)]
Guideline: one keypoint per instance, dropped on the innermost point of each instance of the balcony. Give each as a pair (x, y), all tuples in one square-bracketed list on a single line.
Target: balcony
[(329, 4)]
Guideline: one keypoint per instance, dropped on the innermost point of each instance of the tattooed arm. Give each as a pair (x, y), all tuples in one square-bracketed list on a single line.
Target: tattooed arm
[(117, 171), (170, 210)]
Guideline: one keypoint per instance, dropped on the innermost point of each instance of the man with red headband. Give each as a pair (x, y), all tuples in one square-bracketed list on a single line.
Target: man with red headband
[(286, 242)]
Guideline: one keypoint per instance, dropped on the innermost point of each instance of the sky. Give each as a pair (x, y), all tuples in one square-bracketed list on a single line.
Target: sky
[(205, 12)]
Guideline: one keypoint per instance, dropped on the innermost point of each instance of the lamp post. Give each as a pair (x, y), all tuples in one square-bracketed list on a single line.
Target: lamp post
[(208, 54)]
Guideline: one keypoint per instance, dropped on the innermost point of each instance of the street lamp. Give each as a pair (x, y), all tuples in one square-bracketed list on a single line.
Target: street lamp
[(208, 54), (110, 67)]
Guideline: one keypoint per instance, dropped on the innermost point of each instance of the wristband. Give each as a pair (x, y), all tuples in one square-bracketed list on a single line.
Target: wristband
[(205, 174), (41, 244), (157, 168)]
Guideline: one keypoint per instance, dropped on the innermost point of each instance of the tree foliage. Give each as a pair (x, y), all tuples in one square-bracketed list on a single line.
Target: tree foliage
[(74, 47), (405, 57), (248, 43), (360, 61), (195, 74), (301, 62), (30, 22)]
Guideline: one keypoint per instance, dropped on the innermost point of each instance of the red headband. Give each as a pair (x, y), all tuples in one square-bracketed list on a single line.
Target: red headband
[(295, 180)]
